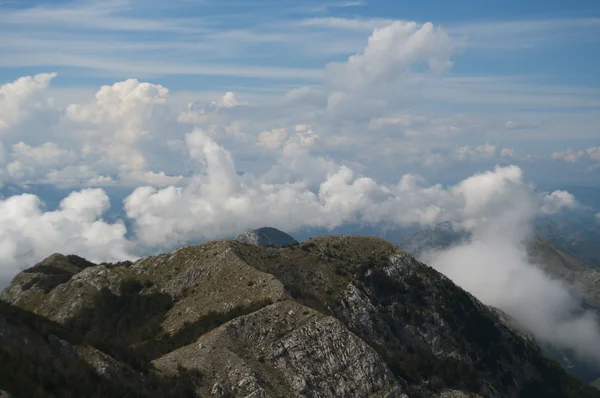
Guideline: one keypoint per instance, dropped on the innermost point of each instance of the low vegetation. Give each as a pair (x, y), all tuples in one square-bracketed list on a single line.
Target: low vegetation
[(35, 372), (127, 323)]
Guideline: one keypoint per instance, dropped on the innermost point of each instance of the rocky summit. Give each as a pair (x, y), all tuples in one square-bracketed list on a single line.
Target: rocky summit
[(336, 316), (266, 236)]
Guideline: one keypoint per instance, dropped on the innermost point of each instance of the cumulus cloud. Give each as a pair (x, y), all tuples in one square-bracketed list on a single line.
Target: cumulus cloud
[(230, 100), (557, 201), (122, 124), (129, 104), (35, 162), (277, 138), (16, 98), (392, 50), (130, 132), (302, 190), (481, 151), (494, 265), (200, 112), (572, 156), (306, 135), (273, 138), (29, 234)]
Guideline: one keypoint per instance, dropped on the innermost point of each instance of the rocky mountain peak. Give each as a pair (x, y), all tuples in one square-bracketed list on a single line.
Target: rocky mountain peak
[(266, 236), (336, 316)]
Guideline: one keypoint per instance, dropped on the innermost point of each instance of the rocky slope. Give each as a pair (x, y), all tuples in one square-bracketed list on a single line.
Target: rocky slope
[(576, 234), (332, 317)]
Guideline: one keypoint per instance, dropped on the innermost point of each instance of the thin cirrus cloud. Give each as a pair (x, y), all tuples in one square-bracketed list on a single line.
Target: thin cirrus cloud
[(488, 35), (526, 34), (210, 40), (93, 15)]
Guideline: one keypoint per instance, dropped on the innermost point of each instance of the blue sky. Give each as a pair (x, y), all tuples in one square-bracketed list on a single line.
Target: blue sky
[(240, 44)]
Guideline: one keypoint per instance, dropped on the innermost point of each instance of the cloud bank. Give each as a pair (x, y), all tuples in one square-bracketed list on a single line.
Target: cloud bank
[(298, 190), (29, 234), (494, 264)]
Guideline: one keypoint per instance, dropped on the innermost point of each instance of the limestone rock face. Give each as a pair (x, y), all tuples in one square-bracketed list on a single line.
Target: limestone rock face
[(286, 350)]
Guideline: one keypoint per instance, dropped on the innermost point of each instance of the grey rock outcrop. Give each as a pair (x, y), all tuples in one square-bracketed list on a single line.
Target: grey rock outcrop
[(286, 350), (266, 236)]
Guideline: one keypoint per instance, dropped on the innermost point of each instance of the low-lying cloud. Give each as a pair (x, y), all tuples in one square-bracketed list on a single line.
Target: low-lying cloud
[(299, 190), (303, 190), (28, 233), (494, 264)]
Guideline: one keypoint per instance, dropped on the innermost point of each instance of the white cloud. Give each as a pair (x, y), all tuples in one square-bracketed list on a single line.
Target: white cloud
[(494, 264), (352, 124), (130, 106), (137, 178), (35, 162), (15, 97), (214, 114), (307, 137), (488, 195), (527, 34), (303, 190), (572, 156), (360, 24), (229, 100), (557, 201), (78, 35), (28, 234), (124, 124), (481, 151), (392, 51), (569, 155), (277, 138), (272, 139), (76, 176), (593, 152)]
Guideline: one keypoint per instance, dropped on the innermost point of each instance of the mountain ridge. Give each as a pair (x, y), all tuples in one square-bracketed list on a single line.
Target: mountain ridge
[(175, 311)]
